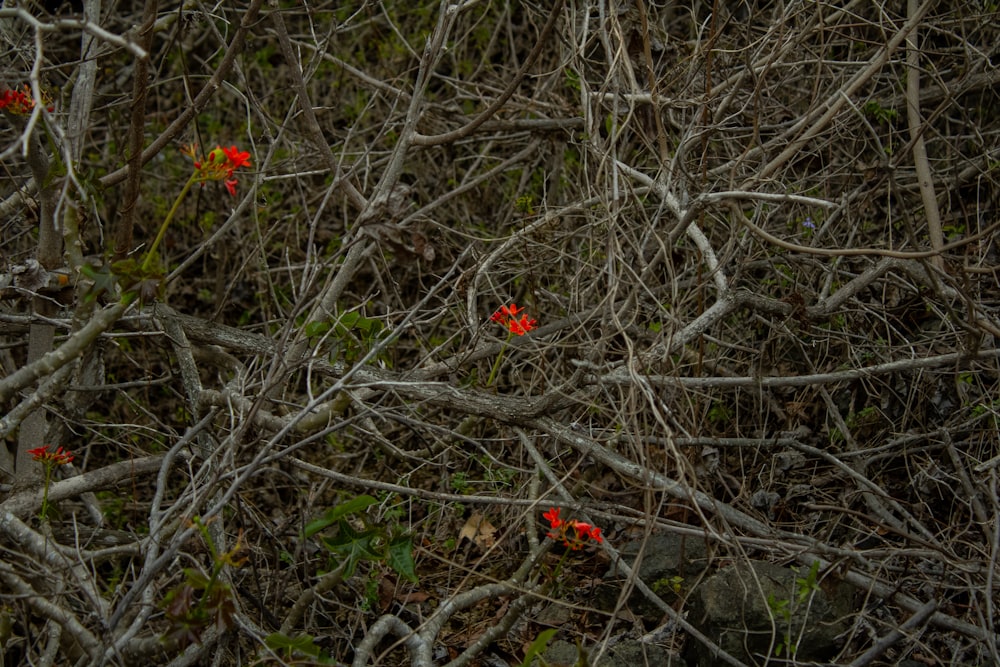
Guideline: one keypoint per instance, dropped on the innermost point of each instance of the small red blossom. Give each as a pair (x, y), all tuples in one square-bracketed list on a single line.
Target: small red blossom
[(582, 532), (18, 102), (508, 316), (521, 326), (552, 516), (236, 158), (585, 531), (220, 165), (56, 458), (505, 312)]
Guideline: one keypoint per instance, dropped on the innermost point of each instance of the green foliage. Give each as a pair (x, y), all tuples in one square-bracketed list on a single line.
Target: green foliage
[(298, 646), (782, 609), (352, 335), (809, 584), (953, 231), (674, 583), (719, 413), (354, 546), (500, 476), (390, 512), (399, 556), (990, 411), (207, 221), (200, 600), (572, 80), (538, 647), (878, 113), (335, 514), (863, 416), (837, 323), (195, 605), (369, 601), (785, 277), (264, 55), (460, 482), (146, 284), (364, 540), (525, 204), (104, 281)]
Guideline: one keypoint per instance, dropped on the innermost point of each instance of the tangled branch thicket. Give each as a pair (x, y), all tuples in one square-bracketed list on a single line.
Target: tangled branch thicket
[(758, 239)]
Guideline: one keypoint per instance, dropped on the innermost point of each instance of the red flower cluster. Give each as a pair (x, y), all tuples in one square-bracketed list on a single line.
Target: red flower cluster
[(220, 165), (56, 458), (18, 102), (507, 316), (581, 532)]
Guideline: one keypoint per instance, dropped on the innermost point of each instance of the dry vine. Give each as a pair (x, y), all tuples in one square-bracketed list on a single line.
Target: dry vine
[(758, 240)]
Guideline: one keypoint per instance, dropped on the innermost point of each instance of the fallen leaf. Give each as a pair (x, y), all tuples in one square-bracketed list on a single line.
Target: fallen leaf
[(480, 531), (413, 597)]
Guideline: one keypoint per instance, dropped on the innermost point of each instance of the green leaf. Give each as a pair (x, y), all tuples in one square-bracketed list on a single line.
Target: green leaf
[(303, 644), (538, 646), (335, 514), (196, 578), (369, 325), (808, 584), (103, 278), (348, 320), (352, 320), (399, 557), (354, 546), (315, 329)]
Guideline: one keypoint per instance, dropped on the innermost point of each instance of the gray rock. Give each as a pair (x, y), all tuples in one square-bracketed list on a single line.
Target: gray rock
[(755, 610), (629, 653), (668, 560), (632, 653), (561, 653), (667, 555)]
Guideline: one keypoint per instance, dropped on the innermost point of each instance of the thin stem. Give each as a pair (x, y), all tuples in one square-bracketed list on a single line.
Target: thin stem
[(45, 492), (166, 222), (496, 364)]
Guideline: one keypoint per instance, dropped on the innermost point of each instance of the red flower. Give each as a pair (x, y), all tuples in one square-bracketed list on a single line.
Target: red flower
[(507, 316), (220, 165), (56, 458), (522, 326), (18, 102), (236, 158), (581, 531), (504, 313), (585, 531)]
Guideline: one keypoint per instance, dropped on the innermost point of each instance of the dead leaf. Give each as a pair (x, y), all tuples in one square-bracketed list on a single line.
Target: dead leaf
[(422, 247), (480, 531), (386, 593), (413, 597)]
